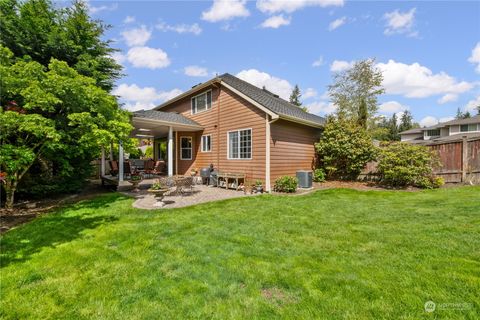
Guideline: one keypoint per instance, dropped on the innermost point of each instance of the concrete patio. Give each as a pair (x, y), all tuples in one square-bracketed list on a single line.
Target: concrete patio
[(200, 194)]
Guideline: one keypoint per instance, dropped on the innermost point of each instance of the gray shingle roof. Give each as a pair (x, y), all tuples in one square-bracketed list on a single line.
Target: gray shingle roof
[(165, 116), (270, 101), (411, 131)]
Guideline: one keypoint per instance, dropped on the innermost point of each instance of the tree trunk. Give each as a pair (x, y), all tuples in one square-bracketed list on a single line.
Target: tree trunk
[(10, 188)]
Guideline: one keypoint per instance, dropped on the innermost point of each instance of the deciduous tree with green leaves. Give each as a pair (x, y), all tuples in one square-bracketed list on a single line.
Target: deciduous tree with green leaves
[(58, 106), (356, 87)]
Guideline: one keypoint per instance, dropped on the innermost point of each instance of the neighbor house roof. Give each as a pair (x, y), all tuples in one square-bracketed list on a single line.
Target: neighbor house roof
[(268, 100), (412, 131), (453, 138), (474, 119), (170, 117)]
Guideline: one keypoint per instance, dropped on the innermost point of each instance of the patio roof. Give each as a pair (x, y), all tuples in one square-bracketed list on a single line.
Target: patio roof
[(152, 123)]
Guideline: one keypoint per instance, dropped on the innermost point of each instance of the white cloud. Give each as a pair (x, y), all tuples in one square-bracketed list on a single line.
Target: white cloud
[(137, 98), (340, 65), (196, 71), (475, 57), (146, 57), (319, 62), (118, 57), (321, 107), (94, 10), (276, 22), (337, 23), (273, 84), (445, 119), (390, 107), (400, 22), (417, 81), (129, 19), (180, 28), (225, 10), (428, 121), (473, 104), (309, 93), (449, 97), (274, 6), (137, 36)]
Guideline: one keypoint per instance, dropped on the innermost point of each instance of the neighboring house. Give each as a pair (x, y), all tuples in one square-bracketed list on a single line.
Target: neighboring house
[(233, 125), (445, 131)]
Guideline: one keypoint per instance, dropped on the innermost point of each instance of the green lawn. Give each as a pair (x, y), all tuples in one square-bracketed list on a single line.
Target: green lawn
[(333, 254)]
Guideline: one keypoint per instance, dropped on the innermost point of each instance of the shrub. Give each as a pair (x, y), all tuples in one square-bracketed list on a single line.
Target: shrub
[(318, 175), (402, 164), (344, 149), (149, 152), (286, 184)]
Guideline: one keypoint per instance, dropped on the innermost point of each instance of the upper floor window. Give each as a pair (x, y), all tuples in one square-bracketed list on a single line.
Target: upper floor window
[(202, 102), (468, 127), (240, 144), (432, 133)]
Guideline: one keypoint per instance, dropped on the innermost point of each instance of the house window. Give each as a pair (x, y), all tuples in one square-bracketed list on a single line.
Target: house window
[(240, 144), (185, 148), (206, 143), (202, 102), (468, 127), (433, 133)]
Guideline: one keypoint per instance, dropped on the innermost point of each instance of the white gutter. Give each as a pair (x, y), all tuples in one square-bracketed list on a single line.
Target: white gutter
[(166, 123), (268, 187)]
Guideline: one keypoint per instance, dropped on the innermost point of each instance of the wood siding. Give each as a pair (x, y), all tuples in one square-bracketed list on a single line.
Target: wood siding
[(291, 148), (229, 112)]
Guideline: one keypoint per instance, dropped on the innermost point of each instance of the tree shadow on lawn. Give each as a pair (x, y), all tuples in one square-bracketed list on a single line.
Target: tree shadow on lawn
[(53, 229)]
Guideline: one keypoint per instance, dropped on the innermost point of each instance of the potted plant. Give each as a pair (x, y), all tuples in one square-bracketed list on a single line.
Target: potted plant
[(259, 186), (135, 179), (158, 189)]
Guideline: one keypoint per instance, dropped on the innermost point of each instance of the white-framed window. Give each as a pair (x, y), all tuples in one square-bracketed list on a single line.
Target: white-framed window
[(468, 127), (432, 133), (206, 143), (240, 144), (202, 102), (185, 148)]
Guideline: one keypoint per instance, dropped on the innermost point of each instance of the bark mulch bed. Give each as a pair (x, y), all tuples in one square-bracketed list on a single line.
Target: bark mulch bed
[(26, 211)]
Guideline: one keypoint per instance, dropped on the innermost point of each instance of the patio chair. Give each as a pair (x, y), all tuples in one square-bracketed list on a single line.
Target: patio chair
[(159, 167), (148, 167), (127, 169), (183, 184), (113, 167)]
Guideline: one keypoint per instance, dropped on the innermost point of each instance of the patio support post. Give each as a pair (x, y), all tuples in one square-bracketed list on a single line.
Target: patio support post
[(102, 164), (120, 161), (267, 154), (170, 151)]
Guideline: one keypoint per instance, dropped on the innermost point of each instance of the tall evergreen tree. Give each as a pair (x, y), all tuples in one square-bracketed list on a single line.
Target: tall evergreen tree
[(295, 98), (363, 114), (393, 128), (462, 115), (406, 121)]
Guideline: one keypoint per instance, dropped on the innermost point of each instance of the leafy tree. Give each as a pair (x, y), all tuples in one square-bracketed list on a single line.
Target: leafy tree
[(295, 98), (35, 28), (351, 88), (64, 115), (344, 149)]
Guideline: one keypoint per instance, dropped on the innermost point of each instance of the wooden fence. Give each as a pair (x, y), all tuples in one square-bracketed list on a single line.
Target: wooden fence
[(459, 161)]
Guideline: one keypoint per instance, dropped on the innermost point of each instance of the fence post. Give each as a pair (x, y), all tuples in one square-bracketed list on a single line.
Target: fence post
[(464, 158)]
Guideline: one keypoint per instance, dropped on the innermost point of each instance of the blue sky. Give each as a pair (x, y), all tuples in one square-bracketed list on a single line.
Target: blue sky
[(428, 51)]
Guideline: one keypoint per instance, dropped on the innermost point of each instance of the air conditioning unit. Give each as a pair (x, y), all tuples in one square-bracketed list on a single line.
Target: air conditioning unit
[(304, 178)]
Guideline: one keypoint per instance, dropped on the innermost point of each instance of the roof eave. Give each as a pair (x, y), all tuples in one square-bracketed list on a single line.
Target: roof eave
[(301, 121), (167, 123)]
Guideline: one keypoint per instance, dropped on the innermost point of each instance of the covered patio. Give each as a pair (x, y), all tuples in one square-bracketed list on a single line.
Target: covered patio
[(159, 127)]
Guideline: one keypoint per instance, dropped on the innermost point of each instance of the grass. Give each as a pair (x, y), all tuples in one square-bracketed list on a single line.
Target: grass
[(333, 254)]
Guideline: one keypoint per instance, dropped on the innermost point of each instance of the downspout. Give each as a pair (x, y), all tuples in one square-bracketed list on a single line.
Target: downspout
[(218, 126), (176, 152), (268, 134)]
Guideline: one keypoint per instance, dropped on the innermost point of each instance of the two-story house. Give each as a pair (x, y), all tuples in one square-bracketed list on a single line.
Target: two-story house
[(444, 131), (233, 125)]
